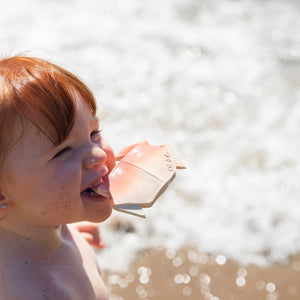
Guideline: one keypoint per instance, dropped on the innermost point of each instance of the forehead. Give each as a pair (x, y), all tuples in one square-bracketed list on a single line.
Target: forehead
[(26, 137), (30, 135), (27, 134), (83, 112)]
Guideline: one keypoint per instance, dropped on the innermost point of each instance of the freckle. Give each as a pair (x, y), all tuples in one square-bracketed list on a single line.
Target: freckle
[(66, 204)]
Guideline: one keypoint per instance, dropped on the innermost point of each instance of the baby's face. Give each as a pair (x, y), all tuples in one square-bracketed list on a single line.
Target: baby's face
[(49, 185)]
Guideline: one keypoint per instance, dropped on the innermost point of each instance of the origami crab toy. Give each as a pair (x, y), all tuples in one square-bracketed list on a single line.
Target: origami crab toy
[(142, 174)]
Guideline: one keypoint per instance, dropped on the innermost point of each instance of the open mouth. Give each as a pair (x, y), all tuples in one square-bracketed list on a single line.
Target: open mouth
[(97, 190), (89, 192)]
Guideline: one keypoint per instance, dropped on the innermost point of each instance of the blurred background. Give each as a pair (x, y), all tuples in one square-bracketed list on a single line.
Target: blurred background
[(219, 81)]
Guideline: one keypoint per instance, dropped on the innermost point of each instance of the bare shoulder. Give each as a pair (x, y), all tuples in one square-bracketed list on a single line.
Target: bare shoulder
[(24, 279), (89, 264), (82, 245), (19, 280), (53, 277), (87, 253)]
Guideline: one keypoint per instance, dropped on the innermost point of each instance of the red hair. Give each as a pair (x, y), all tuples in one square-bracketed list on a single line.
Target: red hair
[(41, 92)]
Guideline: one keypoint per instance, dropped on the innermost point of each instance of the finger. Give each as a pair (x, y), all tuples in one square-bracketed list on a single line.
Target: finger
[(88, 237)]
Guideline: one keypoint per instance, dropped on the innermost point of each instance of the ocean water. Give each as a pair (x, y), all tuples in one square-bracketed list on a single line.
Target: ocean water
[(219, 81)]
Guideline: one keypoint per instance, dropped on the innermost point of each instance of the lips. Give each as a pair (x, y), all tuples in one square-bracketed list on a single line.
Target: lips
[(99, 188)]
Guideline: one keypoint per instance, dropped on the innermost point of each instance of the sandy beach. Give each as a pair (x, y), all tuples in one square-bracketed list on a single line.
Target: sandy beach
[(188, 274)]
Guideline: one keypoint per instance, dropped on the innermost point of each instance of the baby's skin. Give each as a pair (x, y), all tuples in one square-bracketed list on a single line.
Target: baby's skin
[(68, 270)]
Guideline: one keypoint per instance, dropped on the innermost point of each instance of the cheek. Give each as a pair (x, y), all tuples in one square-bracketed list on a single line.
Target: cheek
[(62, 198), (64, 184), (19, 186), (45, 189), (68, 188)]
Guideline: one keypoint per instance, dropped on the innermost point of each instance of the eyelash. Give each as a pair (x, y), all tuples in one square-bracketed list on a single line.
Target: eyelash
[(96, 132), (96, 136), (69, 148), (62, 151)]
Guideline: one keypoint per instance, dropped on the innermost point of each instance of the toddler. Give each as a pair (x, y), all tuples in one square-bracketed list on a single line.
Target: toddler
[(52, 157)]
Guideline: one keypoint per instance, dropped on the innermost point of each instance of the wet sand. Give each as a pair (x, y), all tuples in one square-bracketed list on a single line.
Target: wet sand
[(187, 274)]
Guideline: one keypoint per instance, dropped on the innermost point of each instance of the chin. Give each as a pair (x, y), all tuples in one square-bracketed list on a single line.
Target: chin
[(101, 216)]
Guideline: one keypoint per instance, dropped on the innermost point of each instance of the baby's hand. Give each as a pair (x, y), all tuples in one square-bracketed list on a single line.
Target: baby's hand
[(90, 232)]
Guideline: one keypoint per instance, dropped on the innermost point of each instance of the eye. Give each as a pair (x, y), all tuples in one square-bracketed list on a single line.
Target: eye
[(96, 136), (62, 151)]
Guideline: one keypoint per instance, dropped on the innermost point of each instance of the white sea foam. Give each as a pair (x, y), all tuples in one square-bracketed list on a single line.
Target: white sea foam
[(219, 81)]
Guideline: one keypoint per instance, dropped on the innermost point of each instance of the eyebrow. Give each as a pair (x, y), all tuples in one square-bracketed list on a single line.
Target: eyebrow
[(95, 119)]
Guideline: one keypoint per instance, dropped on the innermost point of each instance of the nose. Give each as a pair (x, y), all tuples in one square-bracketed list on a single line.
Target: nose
[(95, 157)]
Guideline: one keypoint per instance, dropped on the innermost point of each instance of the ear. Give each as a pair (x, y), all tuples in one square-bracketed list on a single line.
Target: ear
[(2, 197)]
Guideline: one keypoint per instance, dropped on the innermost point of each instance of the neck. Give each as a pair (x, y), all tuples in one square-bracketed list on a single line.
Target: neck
[(33, 238)]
